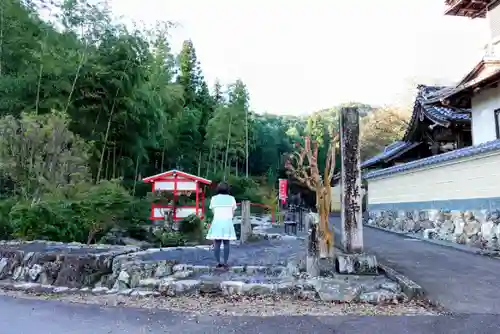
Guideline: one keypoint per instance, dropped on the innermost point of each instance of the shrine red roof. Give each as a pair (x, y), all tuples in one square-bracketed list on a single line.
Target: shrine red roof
[(175, 172)]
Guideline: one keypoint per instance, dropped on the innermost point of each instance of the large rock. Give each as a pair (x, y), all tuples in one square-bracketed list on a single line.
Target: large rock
[(379, 297), (358, 264), (339, 291)]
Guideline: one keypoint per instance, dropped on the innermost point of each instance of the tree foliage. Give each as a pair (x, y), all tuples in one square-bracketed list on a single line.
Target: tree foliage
[(380, 128), (89, 106)]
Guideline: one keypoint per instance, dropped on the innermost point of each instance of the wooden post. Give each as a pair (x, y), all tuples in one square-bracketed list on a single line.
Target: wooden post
[(351, 215), (246, 226), (197, 198), (174, 202), (202, 202), (312, 258)]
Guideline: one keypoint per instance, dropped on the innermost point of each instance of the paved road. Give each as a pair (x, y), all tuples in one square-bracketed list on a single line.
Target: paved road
[(22, 316), (460, 282)]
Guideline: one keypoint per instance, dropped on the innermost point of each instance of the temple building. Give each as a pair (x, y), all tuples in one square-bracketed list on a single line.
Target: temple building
[(433, 128), (446, 188)]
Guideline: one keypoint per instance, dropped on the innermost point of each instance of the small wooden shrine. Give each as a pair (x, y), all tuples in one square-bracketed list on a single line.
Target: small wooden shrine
[(179, 184)]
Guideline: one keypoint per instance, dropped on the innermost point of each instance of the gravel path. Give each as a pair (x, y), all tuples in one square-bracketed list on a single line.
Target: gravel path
[(236, 306)]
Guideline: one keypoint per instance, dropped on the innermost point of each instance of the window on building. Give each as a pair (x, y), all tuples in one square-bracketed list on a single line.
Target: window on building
[(497, 122)]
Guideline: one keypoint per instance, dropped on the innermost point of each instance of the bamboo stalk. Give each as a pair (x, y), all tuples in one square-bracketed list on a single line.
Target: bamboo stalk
[(1, 33), (199, 164), (37, 102), (135, 174), (114, 161), (80, 64), (40, 71), (162, 166), (106, 172), (99, 171), (227, 144), (209, 160)]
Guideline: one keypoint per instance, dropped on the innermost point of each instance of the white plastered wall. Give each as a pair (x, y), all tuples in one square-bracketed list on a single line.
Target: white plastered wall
[(484, 105), (335, 205), (472, 177)]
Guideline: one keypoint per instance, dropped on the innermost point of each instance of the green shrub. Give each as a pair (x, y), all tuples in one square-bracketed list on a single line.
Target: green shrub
[(47, 220), (136, 218), (192, 228), (6, 228), (141, 188), (102, 207), (85, 217), (164, 238)]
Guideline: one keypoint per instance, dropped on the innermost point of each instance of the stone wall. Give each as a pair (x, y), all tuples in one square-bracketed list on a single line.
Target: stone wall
[(52, 263), (452, 196), (476, 228)]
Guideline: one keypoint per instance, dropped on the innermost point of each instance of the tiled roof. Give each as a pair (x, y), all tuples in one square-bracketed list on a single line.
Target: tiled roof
[(388, 152), (468, 8), (460, 153), (482, 80), (436, 113)]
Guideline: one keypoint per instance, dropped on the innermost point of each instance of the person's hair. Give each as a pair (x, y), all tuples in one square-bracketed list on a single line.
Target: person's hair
[(223, 188)]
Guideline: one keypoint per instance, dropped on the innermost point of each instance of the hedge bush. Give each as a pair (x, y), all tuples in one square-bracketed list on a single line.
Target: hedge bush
[(84, 217)]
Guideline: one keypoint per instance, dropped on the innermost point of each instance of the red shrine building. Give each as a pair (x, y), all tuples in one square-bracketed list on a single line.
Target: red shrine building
[(179, 184)]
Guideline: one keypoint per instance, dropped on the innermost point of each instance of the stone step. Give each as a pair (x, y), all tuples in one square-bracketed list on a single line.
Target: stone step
[(330, 290), (339, 289)]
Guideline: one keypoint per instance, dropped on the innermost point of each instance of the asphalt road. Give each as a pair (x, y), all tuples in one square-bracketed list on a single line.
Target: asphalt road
[(460, 282), (26, 316)]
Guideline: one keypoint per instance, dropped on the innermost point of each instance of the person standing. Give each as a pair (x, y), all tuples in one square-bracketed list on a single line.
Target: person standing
[(221, 231)]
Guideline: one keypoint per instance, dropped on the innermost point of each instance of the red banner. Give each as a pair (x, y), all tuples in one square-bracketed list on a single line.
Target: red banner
[(283, 190)]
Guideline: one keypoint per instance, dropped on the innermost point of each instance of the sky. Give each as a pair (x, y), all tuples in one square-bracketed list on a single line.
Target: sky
[(300, 56)]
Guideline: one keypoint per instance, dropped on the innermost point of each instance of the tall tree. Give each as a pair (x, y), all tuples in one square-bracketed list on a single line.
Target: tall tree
[(189, 73)]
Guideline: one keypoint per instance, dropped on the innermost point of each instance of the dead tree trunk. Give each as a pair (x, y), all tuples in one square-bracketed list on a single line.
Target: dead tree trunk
[(326, 242), (303, 165)]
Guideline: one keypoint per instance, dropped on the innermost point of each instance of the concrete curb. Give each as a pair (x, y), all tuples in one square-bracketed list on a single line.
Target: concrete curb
[(458, 247), (411, 289)]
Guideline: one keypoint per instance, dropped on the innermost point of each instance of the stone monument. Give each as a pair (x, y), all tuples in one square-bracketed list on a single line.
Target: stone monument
[(353, 260), (351, 201)]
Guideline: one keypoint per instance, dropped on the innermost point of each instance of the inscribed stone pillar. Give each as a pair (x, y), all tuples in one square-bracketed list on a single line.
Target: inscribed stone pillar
[(351, 201), (246, 225)]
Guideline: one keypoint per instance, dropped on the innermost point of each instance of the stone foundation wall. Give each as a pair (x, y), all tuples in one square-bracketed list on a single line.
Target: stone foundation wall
[(52, 263), (476, 228)]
